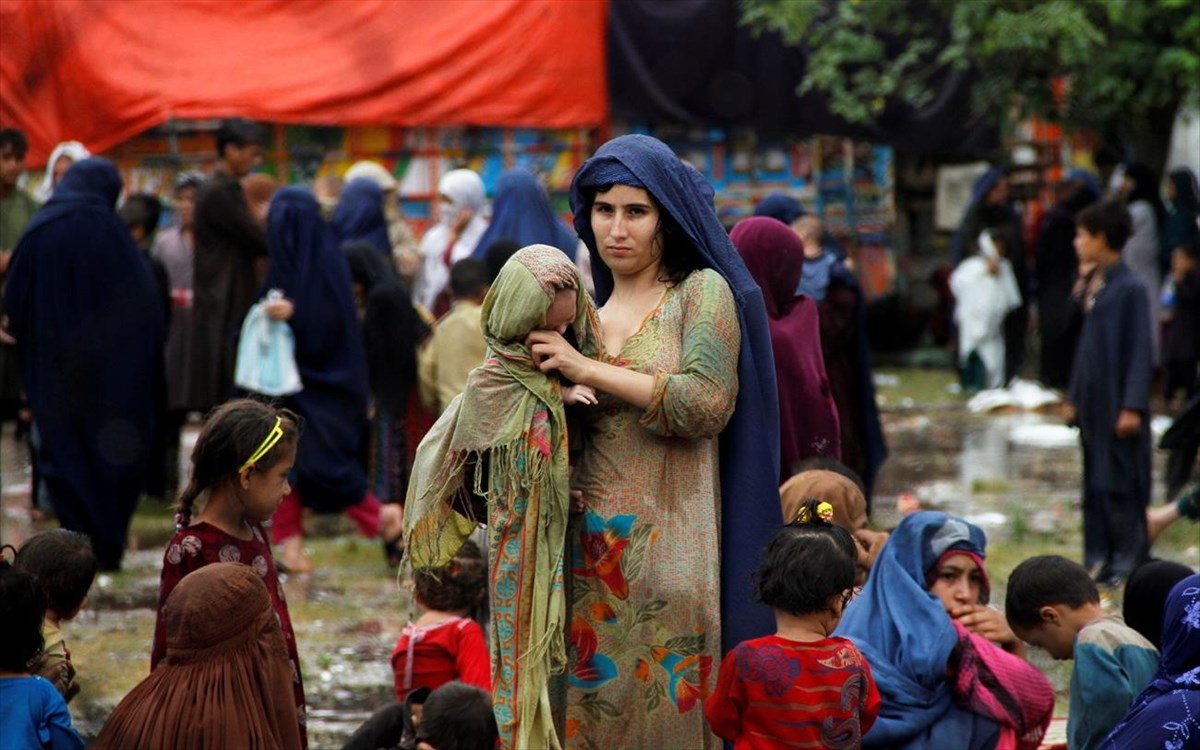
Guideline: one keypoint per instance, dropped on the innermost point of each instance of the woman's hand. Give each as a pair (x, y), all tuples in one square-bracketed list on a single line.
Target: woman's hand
[(551, 352), (279, 309), (989, 623)]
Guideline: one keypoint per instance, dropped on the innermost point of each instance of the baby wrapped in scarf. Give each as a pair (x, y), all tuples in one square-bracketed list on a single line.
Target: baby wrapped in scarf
[(504, 440)]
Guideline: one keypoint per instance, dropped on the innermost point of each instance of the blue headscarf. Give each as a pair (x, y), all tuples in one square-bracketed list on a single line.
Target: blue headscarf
[(979, 191), (749, 447), (906, 636), (780, 206), (521, 213), (89, 323), (359, 216), (1167, 713), (313, 274)]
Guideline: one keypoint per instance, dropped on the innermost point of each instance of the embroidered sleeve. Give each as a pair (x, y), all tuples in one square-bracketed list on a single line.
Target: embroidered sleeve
[(698, 400)]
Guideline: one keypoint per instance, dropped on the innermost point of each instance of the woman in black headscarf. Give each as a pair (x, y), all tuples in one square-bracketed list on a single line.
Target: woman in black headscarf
[(391, 331), (90, 327)]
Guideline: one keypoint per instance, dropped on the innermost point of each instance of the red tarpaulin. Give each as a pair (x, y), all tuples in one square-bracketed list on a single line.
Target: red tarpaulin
[(102, 72)]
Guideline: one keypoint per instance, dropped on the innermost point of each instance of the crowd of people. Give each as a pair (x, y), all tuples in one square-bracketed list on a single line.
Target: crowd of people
[(637, 514)]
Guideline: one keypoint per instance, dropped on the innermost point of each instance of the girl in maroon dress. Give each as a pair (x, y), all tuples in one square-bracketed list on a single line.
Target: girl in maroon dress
[(240, 468), (803, 686)]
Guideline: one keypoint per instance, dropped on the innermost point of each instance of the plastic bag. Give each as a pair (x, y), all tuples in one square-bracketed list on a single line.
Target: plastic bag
[(266, 357)]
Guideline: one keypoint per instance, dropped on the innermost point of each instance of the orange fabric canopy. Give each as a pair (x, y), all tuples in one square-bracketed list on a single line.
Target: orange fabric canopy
[(102, 72)]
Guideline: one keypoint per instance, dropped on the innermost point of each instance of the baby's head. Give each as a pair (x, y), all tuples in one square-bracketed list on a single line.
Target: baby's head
[(537, 289), (810, 565), (1049, 600), (64, 565), (24, 608), (458, 587), (457, 716)]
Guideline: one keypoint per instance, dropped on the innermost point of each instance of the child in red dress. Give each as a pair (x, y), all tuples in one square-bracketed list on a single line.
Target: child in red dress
[(444, 644), (240, 468), (801, 687)]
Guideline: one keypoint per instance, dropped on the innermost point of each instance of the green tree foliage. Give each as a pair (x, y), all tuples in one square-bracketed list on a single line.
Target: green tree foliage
[(1128, 64)]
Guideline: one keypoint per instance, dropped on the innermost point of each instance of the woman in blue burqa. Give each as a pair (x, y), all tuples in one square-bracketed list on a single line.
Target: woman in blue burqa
[(331, 476), (83, 306), (359, 216), (522, 214)]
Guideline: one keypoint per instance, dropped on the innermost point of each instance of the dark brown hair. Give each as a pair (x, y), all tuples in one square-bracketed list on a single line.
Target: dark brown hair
[(456, 587), (232, 433), (64, 565)]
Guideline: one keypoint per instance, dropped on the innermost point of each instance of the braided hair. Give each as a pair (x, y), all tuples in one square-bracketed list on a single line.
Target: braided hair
[(807, 562), (232, 432)]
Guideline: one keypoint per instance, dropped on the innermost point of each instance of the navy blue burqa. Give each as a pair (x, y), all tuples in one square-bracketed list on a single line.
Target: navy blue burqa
[(749, 446), (359, 216), (83, 305), (307, 265), (521, 213)]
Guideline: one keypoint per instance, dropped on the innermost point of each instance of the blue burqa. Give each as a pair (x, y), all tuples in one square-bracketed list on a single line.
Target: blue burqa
[(1167, 713), (521, 213), (906, 636), (90, 327), (749, 446), (307, 265), (359, 216)]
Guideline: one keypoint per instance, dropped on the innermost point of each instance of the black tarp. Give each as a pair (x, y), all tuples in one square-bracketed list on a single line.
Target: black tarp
[(689, 62)]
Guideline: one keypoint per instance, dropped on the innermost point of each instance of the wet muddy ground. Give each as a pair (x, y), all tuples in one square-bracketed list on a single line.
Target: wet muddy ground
[(1016, 475)]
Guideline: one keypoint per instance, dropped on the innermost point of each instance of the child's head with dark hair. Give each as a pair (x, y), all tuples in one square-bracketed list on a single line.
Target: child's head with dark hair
[(238, 437), (1146, 593), (457, 716), (1049, 600), (64, 565), (23, 607), (1109, 220), (469, 279), (496, 255), (457, 587), (809, 565), (141, 212)]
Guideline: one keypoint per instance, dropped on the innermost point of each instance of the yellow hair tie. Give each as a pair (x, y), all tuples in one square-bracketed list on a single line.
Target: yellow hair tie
[(824, 512), (272, 438)]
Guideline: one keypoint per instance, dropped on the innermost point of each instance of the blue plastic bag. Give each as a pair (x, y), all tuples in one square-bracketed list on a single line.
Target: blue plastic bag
[(266, 358)]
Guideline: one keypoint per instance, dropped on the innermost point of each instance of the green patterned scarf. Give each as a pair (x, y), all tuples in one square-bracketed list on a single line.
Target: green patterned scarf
[(505, 440)]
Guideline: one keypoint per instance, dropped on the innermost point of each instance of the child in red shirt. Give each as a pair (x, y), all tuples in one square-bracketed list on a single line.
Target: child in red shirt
[(801, 687), (444, 644)]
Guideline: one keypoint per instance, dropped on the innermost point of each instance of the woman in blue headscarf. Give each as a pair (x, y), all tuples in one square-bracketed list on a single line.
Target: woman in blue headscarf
[(672, 526), (359, 216), (947, 666), (991, 207), (330, 468), (1167, 713), (90, 328), (521, 213)]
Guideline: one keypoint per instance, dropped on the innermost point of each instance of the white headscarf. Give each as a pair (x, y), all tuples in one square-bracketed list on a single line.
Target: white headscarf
[(73, 150), (374, 171), (464, 188)]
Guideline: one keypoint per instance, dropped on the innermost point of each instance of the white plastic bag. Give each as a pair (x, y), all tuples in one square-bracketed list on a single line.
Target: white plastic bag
[(266, 357)]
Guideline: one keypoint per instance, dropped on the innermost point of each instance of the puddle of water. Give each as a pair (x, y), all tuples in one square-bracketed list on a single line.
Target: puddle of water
[(1016, 475)]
